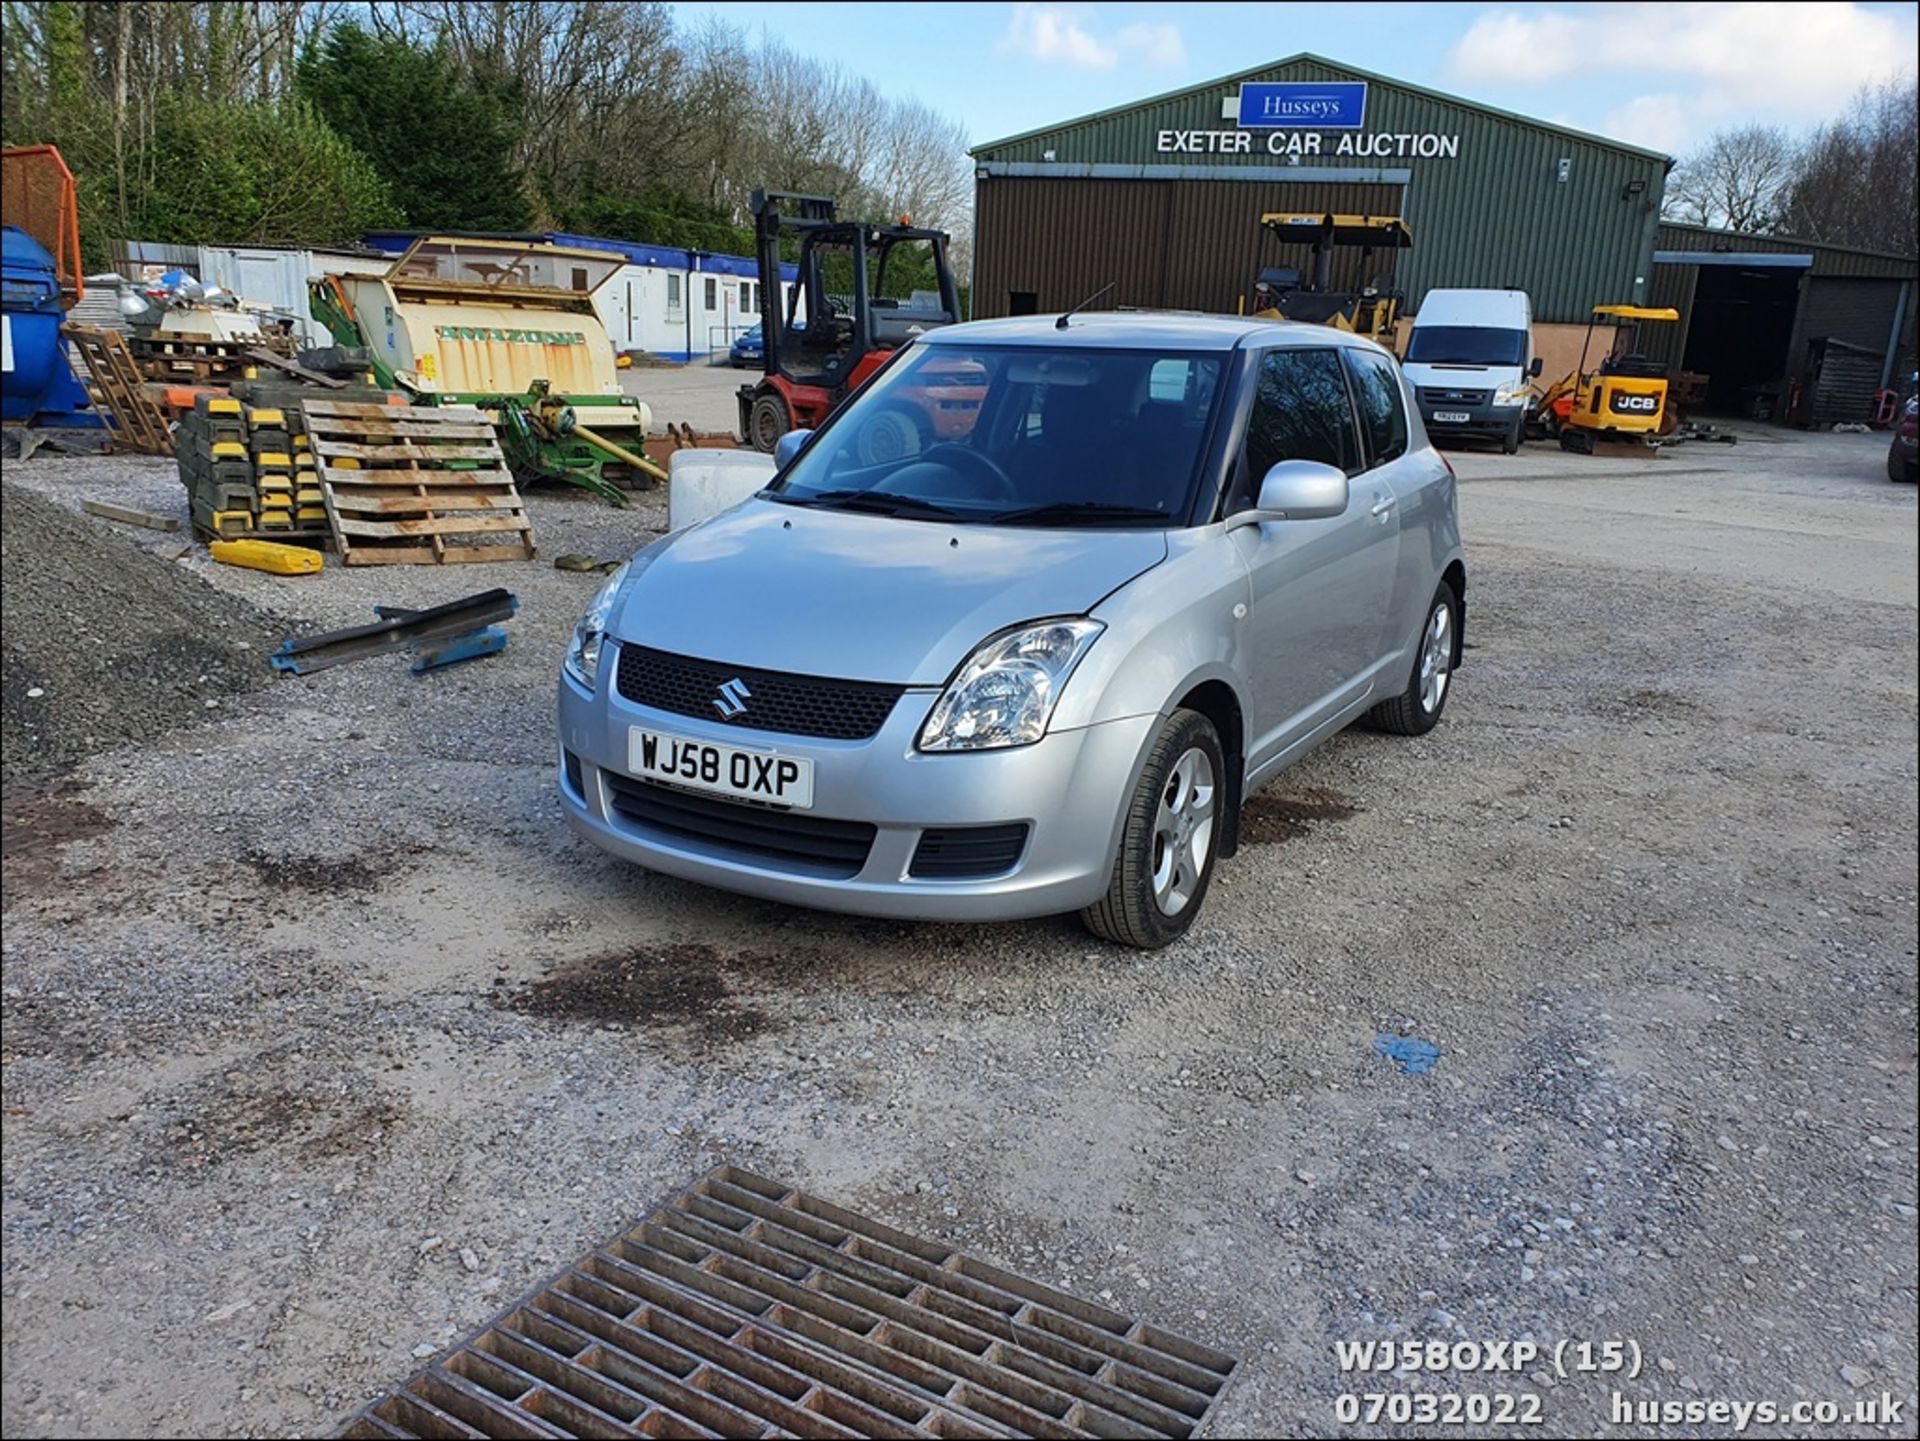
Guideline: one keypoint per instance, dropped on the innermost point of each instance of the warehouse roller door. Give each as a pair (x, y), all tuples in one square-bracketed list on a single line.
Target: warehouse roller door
[(1045, 245)]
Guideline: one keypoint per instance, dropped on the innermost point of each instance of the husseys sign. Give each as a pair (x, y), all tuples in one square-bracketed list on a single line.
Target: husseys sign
[(1289, 105), (1294, 115)]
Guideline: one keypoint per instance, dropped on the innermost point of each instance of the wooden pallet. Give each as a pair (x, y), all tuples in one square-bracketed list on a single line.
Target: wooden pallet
[(119, 390), (422, 485), (206, 359)]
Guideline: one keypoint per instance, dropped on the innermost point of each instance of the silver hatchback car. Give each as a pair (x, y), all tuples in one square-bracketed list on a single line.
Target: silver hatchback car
[(1018, 630)]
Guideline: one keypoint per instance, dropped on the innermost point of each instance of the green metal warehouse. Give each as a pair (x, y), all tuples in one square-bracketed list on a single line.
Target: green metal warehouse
[(1163, 198)]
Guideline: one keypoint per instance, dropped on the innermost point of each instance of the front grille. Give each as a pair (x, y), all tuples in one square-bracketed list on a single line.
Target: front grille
[(743, 1307), (968, 851), (1446, 395), (794, 840), (795, 705)]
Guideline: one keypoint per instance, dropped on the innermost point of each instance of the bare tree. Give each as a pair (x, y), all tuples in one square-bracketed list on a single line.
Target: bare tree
[(599, 83), (779, 120), (1855, 184), (1736, 181)]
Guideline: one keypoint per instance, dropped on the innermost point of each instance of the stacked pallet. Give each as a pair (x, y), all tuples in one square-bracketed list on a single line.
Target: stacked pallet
[(247, 473), (416, 486), (180, 358)]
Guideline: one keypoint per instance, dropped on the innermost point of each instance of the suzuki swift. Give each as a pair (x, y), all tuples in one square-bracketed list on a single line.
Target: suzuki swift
[(1022, 625)]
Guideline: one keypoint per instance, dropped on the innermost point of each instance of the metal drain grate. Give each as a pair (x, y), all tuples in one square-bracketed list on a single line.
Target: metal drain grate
[(743, 1307)]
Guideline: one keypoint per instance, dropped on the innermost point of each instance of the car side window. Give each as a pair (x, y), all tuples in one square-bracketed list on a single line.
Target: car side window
[(1300, 412), (1383, 413)]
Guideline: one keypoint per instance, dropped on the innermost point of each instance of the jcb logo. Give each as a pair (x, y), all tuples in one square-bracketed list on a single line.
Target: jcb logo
[(1635, 404)]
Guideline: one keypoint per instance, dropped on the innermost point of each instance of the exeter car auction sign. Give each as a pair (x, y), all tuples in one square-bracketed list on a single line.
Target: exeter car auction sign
[(1294, 114)]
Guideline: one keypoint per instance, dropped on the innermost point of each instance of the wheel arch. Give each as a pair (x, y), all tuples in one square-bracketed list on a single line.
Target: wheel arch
[(1455, 575), (1220, 703)]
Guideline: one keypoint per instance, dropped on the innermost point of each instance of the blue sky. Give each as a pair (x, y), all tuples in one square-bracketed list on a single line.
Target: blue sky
[(1660, 75)]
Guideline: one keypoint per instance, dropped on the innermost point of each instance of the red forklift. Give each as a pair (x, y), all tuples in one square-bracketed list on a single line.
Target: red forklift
[(842, 317)]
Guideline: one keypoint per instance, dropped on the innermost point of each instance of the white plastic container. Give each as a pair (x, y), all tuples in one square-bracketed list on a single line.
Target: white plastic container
[(701, 483)]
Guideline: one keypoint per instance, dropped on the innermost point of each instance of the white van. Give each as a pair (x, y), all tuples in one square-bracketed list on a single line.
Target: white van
[(1470, 361)]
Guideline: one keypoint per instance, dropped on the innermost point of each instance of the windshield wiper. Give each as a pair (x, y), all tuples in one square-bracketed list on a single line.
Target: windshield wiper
[(1079, 510), (877, 502)]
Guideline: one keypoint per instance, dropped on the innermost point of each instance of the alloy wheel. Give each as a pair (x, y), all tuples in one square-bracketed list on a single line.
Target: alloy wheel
[(1436, 658), (1183, 831)]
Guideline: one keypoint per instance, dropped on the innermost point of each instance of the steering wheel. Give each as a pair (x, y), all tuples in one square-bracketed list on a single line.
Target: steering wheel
[(980, 467)]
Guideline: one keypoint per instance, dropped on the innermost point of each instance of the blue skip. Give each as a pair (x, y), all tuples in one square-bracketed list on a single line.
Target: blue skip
[(1413, 1056)]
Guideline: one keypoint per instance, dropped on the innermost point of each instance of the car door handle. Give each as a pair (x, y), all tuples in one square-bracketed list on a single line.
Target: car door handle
[(1382, 505)]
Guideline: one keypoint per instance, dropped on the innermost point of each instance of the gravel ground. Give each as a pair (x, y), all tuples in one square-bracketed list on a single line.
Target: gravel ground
[(289, 993), (103, 646)]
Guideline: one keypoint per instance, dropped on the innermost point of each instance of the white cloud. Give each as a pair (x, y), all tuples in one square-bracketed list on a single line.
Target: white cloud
[(1658, 122), (1156, 44), (1070, 35), (1793, 64), (1054, 33)]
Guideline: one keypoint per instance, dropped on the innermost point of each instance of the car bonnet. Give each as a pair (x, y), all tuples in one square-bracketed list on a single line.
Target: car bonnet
[(864, 597)]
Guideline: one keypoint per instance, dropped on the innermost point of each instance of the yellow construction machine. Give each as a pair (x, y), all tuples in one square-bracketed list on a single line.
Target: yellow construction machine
[(1285, 293), (1624, 399)]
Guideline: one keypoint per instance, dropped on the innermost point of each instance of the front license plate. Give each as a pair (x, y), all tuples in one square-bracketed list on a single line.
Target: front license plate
[(751, 775), (1452, 417)]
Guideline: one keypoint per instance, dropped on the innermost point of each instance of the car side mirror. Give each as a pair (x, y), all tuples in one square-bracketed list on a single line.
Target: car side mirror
[(1533, 371), (1299, 490), (790, 445)]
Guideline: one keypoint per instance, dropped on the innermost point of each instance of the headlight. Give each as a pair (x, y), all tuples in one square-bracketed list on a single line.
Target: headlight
[(583, 655), (1004, 695), (1513, 394)]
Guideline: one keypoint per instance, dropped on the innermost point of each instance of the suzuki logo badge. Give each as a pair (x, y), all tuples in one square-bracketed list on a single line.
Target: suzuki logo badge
[(733, 699)]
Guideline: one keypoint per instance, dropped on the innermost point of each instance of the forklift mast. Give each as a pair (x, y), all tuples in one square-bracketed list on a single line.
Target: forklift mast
[(778, 305), (838, 333), (851, 324)]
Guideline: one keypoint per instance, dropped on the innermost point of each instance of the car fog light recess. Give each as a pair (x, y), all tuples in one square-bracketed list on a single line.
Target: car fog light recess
[(1005, 694)]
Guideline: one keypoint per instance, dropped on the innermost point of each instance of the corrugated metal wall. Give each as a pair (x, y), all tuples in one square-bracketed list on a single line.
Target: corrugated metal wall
[(1494, 215), (1827, 259), (1672, 285), (1175, 244), (1859, 312)]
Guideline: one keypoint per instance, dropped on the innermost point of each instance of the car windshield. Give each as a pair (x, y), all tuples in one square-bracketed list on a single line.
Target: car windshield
[(1466, 345), (1011, 435)]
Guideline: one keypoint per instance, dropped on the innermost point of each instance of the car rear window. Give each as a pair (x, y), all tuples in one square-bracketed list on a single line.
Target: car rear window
[(1383, 413)]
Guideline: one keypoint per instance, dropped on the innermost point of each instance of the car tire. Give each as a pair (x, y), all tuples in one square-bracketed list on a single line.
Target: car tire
[(1416, 710), (767, 422), (893, 433), (1510, 442), (1168, 839)]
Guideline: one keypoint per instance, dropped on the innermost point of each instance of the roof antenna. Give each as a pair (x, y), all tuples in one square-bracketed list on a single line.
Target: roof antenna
[(1061, 323)]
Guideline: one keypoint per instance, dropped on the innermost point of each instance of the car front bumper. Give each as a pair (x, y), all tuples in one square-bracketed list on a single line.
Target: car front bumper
[(1486, 420), (1070, 789)]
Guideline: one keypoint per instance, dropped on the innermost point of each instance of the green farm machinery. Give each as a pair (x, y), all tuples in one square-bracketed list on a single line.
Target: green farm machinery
[(507, 326)]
